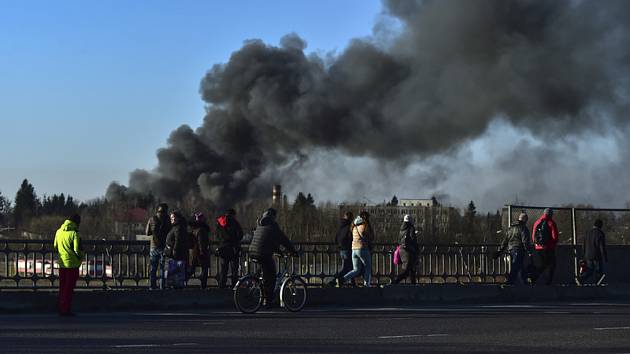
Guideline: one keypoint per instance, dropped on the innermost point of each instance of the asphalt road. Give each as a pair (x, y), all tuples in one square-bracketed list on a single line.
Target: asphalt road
[(569, 327)]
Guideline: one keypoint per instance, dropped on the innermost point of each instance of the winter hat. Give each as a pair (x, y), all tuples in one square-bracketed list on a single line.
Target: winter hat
[(75, 218), (548, 211), (358, 220), (598, 223), (408, 218)]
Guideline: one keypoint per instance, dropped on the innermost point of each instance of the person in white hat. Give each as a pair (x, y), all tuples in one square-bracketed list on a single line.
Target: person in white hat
[(408, 250)]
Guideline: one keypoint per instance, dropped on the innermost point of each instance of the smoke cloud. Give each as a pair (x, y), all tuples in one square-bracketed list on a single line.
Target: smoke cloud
[(433, 84)]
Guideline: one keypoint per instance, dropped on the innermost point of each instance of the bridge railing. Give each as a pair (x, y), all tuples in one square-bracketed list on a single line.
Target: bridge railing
[(32, 264)]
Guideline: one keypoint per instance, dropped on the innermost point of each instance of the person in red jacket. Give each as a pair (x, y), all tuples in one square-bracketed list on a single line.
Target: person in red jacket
[(544, 237)]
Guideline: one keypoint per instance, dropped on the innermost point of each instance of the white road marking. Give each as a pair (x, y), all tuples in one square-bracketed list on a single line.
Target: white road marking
[(557, 312), (609, 328), (136, 346), (184, 344), (414, 336), (508, 306)]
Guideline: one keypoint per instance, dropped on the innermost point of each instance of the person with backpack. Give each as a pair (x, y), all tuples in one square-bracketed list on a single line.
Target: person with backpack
[(200, 247), (595, 255), (518, 244), (230, 234), (158, 227), (545, 237), (361, 258), (344, 242), (408, 250)]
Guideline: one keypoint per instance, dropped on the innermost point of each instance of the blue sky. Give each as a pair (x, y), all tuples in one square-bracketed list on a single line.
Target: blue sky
[(89, 90)]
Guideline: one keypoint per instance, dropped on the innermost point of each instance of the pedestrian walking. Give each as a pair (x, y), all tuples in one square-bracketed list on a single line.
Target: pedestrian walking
[(408, 251), (199, 255), (518, 244), (68, 246), (158, 227), (545, 238), (230, 234), (595, 255), (344, 242), (361, 257)]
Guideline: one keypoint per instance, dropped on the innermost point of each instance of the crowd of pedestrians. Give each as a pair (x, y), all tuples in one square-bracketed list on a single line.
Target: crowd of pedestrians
[(178, 247)]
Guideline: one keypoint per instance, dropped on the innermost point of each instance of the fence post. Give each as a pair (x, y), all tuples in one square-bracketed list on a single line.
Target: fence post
[(509, 215), (575, 255)]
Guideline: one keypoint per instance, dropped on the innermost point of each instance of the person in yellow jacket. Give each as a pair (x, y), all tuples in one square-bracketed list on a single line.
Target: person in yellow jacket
[(68, 246)]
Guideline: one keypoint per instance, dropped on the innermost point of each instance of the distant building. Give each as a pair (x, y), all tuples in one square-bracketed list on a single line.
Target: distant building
[(131, 223), (432, 202)]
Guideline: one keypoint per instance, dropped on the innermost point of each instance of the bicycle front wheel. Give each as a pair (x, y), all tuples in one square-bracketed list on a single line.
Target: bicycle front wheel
[(293, 294), (248, 294)]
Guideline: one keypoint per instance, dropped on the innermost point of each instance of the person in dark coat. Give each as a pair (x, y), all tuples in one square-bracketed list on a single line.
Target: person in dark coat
[(158, 227), (344, 242), (177, 241), (200, 251), (409, 250), (595, 255), (267, 239), (230, 234)]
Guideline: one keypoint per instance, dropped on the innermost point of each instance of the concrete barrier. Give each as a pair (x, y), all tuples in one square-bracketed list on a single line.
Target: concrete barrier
[(402, 295)]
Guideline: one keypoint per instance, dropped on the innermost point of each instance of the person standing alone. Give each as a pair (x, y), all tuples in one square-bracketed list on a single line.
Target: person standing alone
[(68, 245), (158, 227), (595, 255)]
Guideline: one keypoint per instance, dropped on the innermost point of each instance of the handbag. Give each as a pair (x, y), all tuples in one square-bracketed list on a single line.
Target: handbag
[(397, 258)]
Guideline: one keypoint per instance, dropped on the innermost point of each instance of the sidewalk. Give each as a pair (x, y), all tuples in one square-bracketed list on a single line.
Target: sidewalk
[(191, 299)]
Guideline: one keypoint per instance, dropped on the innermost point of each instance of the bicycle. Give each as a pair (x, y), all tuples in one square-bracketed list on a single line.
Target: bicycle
[(248, 295)]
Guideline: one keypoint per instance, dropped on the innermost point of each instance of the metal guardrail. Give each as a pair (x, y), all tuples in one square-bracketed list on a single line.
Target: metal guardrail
[(32, 264)]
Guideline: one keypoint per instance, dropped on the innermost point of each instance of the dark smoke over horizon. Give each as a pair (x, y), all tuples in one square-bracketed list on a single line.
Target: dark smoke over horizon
[(418, 93)]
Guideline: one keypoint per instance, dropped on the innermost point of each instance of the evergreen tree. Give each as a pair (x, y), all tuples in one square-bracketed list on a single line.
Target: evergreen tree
[(26, 204), (5, 209)]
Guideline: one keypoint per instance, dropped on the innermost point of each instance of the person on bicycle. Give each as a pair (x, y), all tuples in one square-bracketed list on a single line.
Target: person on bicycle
[(267, 239)]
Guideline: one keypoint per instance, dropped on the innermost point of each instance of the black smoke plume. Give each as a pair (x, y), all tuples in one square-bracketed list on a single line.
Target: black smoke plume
[(552, 68)]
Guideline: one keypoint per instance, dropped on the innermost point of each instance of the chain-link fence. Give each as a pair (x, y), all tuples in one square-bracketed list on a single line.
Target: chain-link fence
[(575, 222)]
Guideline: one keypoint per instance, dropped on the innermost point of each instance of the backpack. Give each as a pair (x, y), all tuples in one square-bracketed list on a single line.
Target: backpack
[(542, 235)]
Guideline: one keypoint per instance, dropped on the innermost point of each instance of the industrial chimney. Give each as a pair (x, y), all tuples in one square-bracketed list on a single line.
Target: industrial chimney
[(276, 196)]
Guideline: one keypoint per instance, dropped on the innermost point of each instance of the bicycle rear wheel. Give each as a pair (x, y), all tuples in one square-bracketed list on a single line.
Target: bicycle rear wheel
[(293, 294), (248, 294)]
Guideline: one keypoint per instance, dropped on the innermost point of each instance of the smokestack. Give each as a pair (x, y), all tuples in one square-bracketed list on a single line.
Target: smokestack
[(276, 196)]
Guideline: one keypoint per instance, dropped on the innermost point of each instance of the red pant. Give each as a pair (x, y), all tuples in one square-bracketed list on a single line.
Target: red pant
[(67, 280)]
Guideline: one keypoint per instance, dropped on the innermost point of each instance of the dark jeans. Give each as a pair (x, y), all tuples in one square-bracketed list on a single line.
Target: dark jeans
[(594, 270), (269, 273), (517, 274), (409, 265), (157, 259), (545, 265), (229, 260), (346, 266)]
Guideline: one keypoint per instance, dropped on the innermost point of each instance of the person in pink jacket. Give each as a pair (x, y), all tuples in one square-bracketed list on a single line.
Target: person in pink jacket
[(544, 237)]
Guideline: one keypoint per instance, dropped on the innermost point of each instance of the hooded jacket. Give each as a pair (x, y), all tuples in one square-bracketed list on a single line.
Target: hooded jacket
[(268, 238), (361, 234), (68, 244), (344, 236), (229, 231), (551, 244)]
